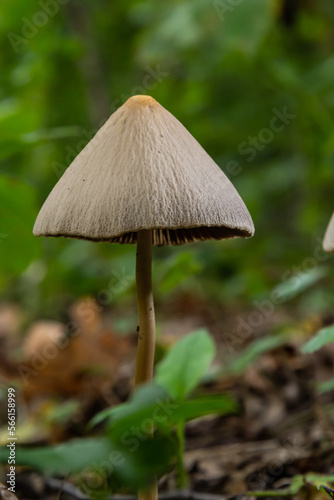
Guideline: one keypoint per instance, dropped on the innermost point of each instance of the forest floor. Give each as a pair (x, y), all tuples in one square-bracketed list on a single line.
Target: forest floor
[(284, 428)]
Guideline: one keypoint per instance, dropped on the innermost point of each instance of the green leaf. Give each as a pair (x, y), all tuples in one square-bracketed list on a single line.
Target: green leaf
[(298, 283), (143, 399), (18, 246), (67, 458), (151, 403), (185, 364), (248, 356), (318, 481), (322, 338), (326, 386), (171, 272), (203, 405), (295, 486), (326, 489), (134, 462)]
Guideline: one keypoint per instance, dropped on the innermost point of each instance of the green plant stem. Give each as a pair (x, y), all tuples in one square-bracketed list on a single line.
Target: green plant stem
[(146, 334), (182, 474)]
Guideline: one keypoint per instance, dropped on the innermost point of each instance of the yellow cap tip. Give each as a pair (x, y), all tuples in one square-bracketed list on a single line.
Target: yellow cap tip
[(141, 100)]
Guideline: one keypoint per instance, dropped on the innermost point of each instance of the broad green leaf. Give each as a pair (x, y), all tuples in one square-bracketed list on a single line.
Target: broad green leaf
[(185, 364), (66, 458), (152, 405), (322, 338), (131, 460), (143, 399)]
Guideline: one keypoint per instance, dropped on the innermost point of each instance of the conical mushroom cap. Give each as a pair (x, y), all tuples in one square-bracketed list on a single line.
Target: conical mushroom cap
[(329, 237), (144, 170)]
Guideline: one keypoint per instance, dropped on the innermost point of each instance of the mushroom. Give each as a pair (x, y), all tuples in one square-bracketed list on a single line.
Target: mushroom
[(328, 243), (144, 179)]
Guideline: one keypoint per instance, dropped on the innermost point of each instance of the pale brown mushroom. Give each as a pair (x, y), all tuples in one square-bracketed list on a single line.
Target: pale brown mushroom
[(144, 170), (144, 179), (328, 243)]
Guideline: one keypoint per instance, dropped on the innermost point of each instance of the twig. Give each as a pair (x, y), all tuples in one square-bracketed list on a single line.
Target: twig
[(60, 486)]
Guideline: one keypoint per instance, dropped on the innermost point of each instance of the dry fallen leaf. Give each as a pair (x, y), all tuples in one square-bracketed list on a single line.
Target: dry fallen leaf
[(10, 320), (60, 361), (5, 494)]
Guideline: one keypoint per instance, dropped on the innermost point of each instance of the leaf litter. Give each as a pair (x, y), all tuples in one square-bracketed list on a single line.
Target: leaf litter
[(278, 443)]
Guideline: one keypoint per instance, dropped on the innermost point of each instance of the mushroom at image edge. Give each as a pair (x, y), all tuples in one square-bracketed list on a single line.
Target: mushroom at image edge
[(328, 243), (144, 179)]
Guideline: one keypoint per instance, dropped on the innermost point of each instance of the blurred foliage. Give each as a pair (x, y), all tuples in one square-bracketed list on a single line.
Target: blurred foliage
[(325, 336), (252, 81), (127, 454), (100, 456), (240, 362)]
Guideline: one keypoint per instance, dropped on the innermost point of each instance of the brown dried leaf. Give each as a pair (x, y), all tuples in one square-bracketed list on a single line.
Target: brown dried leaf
[(5, 494)]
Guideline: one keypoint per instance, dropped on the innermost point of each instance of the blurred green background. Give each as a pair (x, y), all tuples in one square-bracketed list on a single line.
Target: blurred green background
[(252, 80)]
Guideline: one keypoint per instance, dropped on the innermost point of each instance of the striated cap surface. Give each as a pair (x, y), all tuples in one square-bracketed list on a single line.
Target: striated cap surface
[(144, 170), (328, 243)]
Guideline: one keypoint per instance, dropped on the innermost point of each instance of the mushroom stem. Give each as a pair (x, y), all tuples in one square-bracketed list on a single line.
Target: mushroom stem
[(146, 334)]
